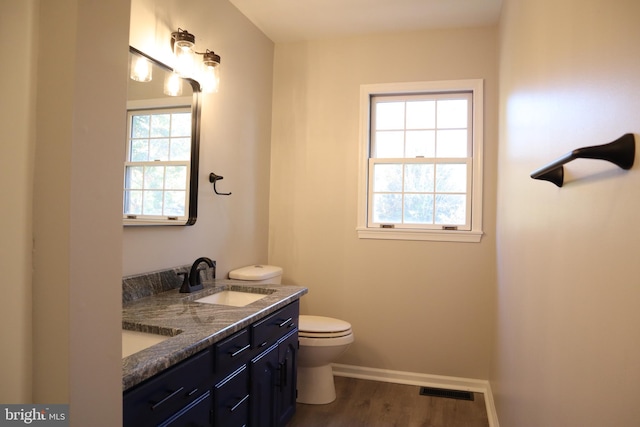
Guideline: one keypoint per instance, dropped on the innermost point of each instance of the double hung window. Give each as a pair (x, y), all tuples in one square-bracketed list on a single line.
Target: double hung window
[(158, 158), (421, 165)]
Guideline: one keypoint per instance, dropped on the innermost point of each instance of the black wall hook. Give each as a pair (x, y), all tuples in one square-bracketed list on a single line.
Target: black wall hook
[(213, 178), (620, 152)]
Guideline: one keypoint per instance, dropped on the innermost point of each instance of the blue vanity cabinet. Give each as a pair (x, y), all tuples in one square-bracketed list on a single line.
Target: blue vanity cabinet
[(273, 369), (181, 392)]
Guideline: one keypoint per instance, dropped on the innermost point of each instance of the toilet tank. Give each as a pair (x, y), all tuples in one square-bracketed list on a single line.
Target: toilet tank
[(258, 274)]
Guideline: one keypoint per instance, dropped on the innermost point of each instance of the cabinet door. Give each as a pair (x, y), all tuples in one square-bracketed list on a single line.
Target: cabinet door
[(231, 400), (264, 374), (288, 368)]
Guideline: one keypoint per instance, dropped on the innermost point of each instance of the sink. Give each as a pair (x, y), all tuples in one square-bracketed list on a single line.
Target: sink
[(134, 341), (232, 298)]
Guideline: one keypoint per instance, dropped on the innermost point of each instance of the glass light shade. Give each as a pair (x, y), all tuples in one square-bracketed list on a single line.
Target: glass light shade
[(210, 72), (172, 84), (141, 69)]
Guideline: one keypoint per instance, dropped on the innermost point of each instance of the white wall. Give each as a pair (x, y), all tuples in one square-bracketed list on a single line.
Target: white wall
[(235, 139), (424, 307), (568, 348)]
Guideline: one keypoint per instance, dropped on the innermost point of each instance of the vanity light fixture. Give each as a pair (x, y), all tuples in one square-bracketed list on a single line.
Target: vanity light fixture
[(208, 74)]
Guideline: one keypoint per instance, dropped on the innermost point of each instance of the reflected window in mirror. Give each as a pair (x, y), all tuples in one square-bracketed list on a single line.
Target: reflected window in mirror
[(162, 144)]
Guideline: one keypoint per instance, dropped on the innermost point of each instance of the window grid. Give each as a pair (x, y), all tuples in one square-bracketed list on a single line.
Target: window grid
[(157, 164)]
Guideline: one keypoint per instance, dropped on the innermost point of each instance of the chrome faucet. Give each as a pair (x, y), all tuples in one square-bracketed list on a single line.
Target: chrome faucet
[(192, 281)]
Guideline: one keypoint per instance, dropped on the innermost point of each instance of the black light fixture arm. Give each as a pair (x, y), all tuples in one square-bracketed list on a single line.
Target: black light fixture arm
[(213, 178), (621, 152)]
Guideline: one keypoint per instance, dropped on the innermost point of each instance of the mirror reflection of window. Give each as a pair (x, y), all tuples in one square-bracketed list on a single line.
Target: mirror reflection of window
[(160, 165)]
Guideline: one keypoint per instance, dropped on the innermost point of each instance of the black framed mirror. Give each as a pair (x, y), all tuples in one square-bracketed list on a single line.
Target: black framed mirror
[(162, 145)]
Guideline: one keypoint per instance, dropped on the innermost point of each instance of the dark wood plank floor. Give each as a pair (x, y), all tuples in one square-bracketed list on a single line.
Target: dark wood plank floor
[(363, 403)]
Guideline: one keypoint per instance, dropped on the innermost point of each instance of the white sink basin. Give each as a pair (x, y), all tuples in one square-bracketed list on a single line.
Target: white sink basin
[(233, 298), (135, 341)]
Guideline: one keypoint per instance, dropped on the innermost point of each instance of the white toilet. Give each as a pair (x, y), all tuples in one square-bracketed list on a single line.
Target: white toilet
[(322, 340)]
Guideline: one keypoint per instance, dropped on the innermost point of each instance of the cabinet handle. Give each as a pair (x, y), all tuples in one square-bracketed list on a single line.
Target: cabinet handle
[(192, 392), (234, 407), (155, 406), (235, 353), (286, 322), (283, 374)]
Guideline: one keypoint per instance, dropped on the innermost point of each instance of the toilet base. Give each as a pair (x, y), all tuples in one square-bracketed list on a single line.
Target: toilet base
[(315, 385)]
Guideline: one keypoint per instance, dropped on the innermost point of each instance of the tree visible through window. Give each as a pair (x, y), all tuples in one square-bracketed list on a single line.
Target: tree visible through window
[(157, 164), (423, 150)]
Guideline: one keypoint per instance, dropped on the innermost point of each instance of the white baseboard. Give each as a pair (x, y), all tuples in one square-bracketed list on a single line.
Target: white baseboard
[(412, 378)]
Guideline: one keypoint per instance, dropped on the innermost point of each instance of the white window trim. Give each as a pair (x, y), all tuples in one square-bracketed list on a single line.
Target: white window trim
[(366, 92)]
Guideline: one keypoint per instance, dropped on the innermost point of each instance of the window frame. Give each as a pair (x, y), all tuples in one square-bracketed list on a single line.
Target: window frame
[(152, 107), (367, 231)]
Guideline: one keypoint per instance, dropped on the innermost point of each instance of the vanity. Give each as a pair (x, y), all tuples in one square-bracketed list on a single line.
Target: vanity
[(226, 360)]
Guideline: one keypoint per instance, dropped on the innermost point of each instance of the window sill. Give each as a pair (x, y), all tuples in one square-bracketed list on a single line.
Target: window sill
[(427, 235)]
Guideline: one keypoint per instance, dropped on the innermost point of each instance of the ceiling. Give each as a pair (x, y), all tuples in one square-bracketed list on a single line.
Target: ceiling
[(296, 20)]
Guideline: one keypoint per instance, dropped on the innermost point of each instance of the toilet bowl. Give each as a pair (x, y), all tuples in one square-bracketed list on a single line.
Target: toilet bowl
[(322, 340)]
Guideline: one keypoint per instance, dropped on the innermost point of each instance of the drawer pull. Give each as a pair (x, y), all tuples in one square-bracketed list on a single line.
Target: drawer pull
[(234, 407), (155, 406), (286, 322), (235, 353), (192, 392)]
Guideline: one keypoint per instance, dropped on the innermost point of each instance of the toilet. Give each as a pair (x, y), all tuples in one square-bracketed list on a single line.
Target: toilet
[(322, 340)]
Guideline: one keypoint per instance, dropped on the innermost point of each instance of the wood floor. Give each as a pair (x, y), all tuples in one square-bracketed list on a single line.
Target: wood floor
[(363, 403)]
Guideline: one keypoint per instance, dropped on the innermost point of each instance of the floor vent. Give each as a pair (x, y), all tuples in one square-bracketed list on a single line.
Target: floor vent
[(443, 392)]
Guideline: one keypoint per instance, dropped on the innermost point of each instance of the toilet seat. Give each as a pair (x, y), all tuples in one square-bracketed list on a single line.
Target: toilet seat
[(322, 327)]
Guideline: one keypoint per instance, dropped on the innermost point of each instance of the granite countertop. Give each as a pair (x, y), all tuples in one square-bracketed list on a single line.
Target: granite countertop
[(192, 326)]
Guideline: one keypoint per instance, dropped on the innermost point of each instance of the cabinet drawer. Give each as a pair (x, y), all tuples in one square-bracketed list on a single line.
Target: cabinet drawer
[(167, 393), (273, 327), (232, 351), (231, 400)]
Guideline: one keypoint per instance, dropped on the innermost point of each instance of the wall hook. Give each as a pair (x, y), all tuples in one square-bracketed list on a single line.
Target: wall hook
[(621, 152), (213, 178)]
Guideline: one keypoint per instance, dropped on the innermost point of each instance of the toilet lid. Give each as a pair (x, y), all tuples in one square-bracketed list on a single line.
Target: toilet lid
[(319, 326)]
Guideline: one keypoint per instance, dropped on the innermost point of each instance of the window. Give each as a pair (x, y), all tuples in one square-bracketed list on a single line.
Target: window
[(158, 158), (421, 161)]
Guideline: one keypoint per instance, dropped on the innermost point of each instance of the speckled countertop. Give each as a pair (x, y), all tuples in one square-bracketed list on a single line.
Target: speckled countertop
[(192, 326)]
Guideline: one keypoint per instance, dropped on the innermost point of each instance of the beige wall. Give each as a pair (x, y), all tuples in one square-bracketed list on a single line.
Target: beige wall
[(235, 139), (423, 307), (17, 119), (568, 347)]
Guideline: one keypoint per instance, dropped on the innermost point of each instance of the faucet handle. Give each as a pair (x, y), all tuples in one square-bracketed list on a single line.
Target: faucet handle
[(185, 288)]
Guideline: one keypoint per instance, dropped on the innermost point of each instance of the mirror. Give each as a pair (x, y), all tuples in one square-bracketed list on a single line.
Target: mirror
[(162, 145)]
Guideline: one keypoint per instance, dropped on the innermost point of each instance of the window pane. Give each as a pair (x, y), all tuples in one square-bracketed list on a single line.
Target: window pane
[(389, 115), (451, 178), (418, 208), (387, 177), (452, 143), (452, 113), (133, 177), (139, 150), (152, 203), (180, 149), (450, 209), (140, 126), (174, 203), (159, 149), (176, 178), (181, 124), (420, 143), (153, 177), (421, 115), (418, 178), (133, 202), (389, 144), (160, 124), (387, 208)]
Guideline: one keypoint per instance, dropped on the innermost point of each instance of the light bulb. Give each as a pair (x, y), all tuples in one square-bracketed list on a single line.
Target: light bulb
[(172, 84), (183, 52), (141, 69), (210, 78)]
